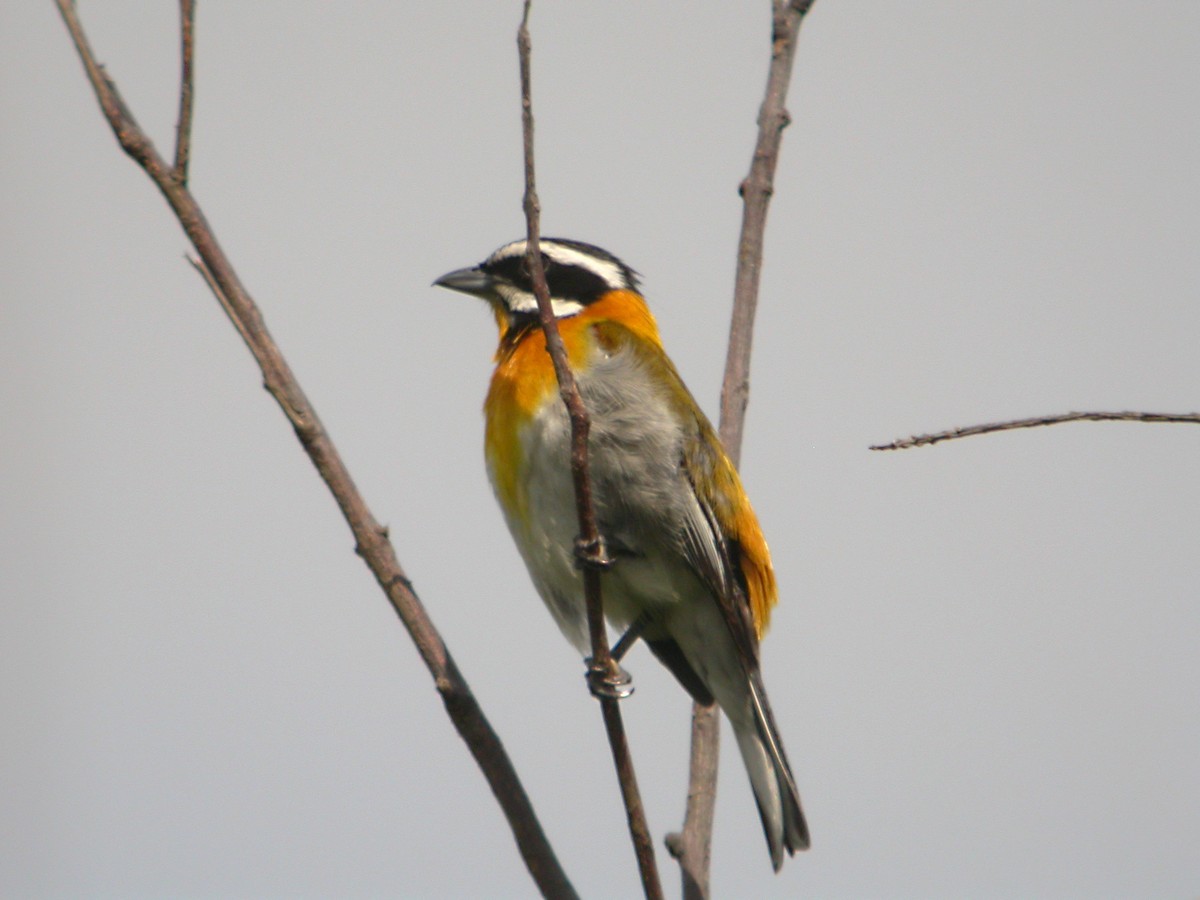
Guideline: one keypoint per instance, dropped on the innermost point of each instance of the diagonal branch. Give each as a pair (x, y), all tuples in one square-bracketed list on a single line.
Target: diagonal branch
[(921, 440), (604, 675), (693, 847), (371, 538)]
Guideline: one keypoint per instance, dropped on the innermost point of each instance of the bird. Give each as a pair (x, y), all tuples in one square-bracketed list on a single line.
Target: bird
[(689, 563)]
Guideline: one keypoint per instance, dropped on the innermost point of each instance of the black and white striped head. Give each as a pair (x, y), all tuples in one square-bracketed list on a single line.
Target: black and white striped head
[(576, 274)]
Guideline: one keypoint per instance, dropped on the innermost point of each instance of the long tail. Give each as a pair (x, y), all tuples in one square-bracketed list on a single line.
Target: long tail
[(771, 777)]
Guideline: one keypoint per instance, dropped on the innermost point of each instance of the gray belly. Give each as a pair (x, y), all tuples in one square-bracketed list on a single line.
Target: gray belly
[(641, 496)]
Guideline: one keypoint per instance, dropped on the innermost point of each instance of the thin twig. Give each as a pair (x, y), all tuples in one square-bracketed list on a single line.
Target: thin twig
[(602, 667), (371, 538), (183, 130), (921, 440), (756, 191), (693, 847)]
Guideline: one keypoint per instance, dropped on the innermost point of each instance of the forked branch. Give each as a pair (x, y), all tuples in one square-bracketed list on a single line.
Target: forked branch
[(371, 538)]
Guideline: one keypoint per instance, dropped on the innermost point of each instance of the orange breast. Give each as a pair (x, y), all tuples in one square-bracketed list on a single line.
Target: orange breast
[(524, 382)]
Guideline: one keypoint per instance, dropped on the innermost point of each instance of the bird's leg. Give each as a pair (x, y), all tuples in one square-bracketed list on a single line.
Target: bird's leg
[(629, 638), (608, 682), (592, 554), (614, 682)]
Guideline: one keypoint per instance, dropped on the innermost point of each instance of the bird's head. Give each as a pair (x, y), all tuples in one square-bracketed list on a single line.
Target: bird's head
[(577, 275)]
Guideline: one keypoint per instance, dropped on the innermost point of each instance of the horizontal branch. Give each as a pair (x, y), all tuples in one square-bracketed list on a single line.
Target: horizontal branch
[(921, 440)]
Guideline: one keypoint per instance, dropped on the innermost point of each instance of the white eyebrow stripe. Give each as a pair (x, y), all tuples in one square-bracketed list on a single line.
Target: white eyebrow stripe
[(612, 273), (568, 256), (516, 248)]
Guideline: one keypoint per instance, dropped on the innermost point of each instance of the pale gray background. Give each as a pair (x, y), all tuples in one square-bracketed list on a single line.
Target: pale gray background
[(985, 660)]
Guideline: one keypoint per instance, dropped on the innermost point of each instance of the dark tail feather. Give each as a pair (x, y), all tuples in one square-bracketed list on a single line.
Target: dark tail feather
[(771, 778)]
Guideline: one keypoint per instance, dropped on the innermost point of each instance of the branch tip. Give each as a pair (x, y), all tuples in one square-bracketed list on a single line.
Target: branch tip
[(925, 440), (693, 846), (608, 687)]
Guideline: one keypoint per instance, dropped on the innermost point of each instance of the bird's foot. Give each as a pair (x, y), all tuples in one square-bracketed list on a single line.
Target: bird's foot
[(592, 554), (609, 682)]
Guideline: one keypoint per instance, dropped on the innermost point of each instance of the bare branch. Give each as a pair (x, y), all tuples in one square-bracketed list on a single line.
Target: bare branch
[(183, 130), (131, 138), (921, 440), (693, 847), (756, 191), (371, 538), (602, 667)]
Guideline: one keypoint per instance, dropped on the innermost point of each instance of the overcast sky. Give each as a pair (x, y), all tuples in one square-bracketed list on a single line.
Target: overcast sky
[(984, 662)]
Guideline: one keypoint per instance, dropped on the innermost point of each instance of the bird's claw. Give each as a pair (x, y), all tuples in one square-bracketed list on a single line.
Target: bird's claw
[(592, 554), (608, 682)]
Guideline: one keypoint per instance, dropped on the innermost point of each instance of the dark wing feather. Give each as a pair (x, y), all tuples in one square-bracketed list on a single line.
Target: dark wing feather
[(711, 553), (671, 656)]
